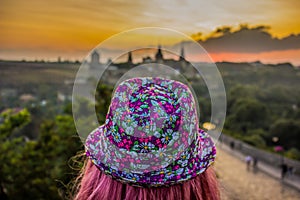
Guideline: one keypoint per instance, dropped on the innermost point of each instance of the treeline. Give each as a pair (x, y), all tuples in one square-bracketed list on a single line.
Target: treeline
[(263, 103), (46, 166)]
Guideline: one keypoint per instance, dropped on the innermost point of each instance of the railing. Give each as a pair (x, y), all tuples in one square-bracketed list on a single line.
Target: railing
[(262, 156)]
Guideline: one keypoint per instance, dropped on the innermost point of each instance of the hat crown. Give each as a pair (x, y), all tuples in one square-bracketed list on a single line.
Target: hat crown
[(151, 102), (150, 110)]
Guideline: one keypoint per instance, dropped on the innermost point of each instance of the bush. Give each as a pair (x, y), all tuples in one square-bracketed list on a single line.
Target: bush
[(293, 153), (255, 140)]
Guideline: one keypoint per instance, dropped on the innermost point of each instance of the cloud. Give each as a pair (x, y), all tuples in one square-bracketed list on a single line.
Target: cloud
[(248, 40)]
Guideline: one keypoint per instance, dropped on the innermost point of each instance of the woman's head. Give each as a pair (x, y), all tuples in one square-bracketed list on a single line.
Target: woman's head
[(151, 138)]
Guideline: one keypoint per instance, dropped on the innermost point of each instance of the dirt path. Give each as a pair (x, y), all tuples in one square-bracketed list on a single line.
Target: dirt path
[(237, 183)]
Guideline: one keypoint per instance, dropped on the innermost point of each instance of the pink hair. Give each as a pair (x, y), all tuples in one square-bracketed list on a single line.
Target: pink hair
[(96, 185)]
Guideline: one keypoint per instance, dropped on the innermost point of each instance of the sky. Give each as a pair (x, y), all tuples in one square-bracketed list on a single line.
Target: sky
[(40, 29)]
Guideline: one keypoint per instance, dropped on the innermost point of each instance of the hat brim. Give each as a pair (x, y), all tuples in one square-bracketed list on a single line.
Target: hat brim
[(194, 160)]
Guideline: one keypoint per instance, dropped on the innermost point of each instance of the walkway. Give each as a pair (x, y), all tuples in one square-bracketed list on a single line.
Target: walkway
[(237, 183)]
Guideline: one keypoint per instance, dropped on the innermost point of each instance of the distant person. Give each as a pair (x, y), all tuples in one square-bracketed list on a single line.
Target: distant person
[(254, 164), (290, 171), (122, 164), (232, 145), (255, 160), (284, 170), (248, 160), (240, 146)]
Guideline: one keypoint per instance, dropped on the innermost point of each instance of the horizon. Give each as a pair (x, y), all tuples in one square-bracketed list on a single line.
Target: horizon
[(66, 61)]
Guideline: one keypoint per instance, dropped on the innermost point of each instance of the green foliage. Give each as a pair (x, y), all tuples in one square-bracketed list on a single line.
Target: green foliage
[(255, 140), (205, 109), (287, 130), (262, 102), (293, 153), (10, 147), (12, 120), (103, 96), (247, 114), (37, 169)]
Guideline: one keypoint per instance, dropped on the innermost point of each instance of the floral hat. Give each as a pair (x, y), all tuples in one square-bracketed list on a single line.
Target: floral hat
[(151, 135)]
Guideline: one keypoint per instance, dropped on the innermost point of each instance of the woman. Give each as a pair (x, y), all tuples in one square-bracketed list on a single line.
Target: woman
[(150, 146)]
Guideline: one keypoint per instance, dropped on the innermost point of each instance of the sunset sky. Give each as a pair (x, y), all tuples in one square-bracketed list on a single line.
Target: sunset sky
[(39, 29)]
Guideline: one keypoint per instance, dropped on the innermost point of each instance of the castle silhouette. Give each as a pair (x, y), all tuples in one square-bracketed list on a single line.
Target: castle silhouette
[(180, 64), (95, 72)]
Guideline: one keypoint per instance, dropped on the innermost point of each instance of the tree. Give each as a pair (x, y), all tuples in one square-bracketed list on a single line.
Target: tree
[(287, 130), (10, 146), (247, 114), (103, 96), (36, 169)]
